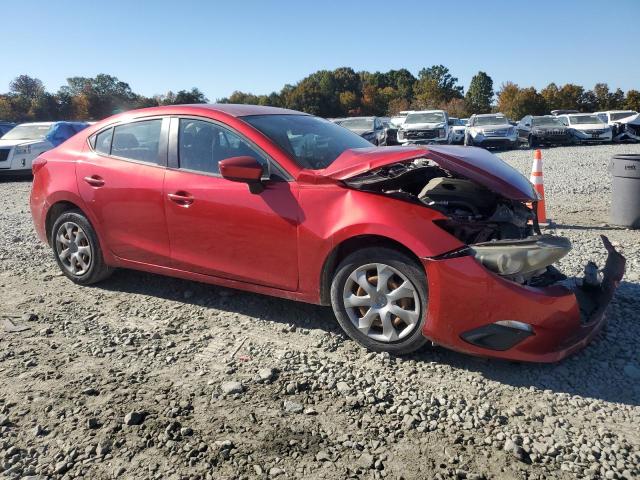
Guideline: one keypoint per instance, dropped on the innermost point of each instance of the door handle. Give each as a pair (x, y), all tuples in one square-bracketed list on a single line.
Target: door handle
[(94, 181), (183, 199)]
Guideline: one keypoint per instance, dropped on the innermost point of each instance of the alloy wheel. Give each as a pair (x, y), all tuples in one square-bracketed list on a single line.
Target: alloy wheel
[(73, 248), (381, 302)]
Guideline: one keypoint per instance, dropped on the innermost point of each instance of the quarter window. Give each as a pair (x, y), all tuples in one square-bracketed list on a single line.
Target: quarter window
[(137, 141), (203, 144), (103, 141)]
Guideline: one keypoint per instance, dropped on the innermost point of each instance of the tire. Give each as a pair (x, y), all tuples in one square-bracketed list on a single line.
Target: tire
[(401, 335), (83, 262), (531, 141)]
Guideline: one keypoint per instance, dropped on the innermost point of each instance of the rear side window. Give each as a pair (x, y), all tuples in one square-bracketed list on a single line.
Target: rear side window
[(103, 142), (137, 141), (203, 144)]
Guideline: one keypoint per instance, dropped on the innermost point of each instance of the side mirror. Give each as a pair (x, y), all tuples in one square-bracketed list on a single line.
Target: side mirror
[(243, 169)]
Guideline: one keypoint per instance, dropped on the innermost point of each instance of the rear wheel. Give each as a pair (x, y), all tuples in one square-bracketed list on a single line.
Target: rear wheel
[(532, 142), (77, 250), (379, 297)]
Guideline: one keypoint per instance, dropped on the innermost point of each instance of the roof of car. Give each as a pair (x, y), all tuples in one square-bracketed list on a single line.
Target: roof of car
[(232, 109)]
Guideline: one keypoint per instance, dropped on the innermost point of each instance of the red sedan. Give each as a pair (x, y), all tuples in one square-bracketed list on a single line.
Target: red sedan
[(408, 244)]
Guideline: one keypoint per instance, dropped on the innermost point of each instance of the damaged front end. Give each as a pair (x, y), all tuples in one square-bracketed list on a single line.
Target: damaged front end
[(500, 295)]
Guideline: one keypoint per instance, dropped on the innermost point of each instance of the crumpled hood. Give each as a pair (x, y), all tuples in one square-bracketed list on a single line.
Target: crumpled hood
[(633, 119), (476, 164)]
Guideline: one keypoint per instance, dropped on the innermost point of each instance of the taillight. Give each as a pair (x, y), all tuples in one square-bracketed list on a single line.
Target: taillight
[(37, 164)]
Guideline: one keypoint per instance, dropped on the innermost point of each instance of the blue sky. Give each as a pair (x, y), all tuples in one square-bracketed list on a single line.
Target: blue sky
[(258, 46)]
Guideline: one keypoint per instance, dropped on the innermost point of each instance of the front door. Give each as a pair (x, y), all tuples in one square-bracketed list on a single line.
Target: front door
[(218, 227)]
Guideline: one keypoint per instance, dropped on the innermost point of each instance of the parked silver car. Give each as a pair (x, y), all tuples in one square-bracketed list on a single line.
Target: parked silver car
[(491, 130)]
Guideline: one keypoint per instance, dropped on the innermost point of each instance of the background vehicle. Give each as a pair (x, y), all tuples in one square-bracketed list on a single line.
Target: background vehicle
[(390, 132), (587, 128), (425, 127), (23, 143), (563, 112), (458, 126), (369, 128), (543, 130), (618, 120), (290, 205), (5, 127), (398, 119), (490, 130)]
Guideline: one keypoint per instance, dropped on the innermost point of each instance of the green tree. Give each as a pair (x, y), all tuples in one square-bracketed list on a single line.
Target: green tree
[(480, 93), (435, 86), (27, 87)]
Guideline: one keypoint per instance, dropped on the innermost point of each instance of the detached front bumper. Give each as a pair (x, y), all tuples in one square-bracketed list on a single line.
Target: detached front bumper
[(473, 310)]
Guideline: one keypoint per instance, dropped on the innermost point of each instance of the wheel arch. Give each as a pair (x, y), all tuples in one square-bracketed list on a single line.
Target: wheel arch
[(350, 245)]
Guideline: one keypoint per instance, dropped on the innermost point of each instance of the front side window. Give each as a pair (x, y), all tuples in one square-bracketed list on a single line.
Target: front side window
[(202, 145), (137, 141)]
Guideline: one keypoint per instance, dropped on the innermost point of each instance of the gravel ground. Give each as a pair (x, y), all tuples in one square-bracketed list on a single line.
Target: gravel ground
[(150, 377)]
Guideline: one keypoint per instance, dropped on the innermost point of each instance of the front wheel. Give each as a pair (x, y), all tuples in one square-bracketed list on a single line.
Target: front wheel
[(531, 142), (77, 250), (379, 297)]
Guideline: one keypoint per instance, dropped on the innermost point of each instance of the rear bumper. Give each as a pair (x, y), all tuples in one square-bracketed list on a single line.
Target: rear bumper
[(465, 297)]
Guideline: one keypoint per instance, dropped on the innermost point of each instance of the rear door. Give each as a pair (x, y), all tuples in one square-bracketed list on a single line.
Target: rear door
[(218, 227), (121, 179)]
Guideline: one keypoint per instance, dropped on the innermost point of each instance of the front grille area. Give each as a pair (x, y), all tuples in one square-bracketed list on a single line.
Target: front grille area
[(4, 154), (496, 133), (594, 132), (420, 134), (555, 131)]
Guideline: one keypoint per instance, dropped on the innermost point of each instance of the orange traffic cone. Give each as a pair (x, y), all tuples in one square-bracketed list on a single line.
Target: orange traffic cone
[(538, 183)]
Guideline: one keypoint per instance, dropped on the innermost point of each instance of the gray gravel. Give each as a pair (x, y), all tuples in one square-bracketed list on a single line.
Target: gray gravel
[(149, 377)]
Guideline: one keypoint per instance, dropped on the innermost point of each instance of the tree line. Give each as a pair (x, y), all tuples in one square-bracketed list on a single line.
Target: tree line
[(327, 93)]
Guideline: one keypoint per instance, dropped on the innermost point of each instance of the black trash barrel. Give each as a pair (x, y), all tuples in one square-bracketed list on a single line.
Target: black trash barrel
[(625, 190)]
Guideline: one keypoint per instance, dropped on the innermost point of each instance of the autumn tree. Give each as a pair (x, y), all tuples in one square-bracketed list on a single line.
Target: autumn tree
[(436, 86), (632, 100)]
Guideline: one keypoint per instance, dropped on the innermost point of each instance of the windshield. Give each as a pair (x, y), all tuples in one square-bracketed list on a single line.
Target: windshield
[(398, 120), (582, 119), (357, 123), (546, 122), (459, 122), (313, 142), (619, 115), (27, 132), (491, 120), (425, 117)]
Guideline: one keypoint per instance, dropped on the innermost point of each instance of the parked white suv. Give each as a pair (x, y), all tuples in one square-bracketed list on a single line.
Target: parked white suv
[(624, 124), (424, 127), (587, 127), (22, 144)]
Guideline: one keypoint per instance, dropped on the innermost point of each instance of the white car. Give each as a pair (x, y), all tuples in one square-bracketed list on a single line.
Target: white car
[(587, 127), (22, 144), (624, 124), (424, 127), (458, 127)]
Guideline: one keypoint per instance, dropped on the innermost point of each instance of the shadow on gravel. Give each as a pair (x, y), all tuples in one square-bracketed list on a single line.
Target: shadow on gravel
[(595, 372)]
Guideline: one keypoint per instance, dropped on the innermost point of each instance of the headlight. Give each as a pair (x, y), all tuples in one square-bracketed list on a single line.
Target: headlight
[(400, 134), (518, 257), (23, 149)]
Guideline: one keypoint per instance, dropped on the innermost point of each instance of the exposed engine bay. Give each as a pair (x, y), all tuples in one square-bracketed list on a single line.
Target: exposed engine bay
[(501, 233)]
